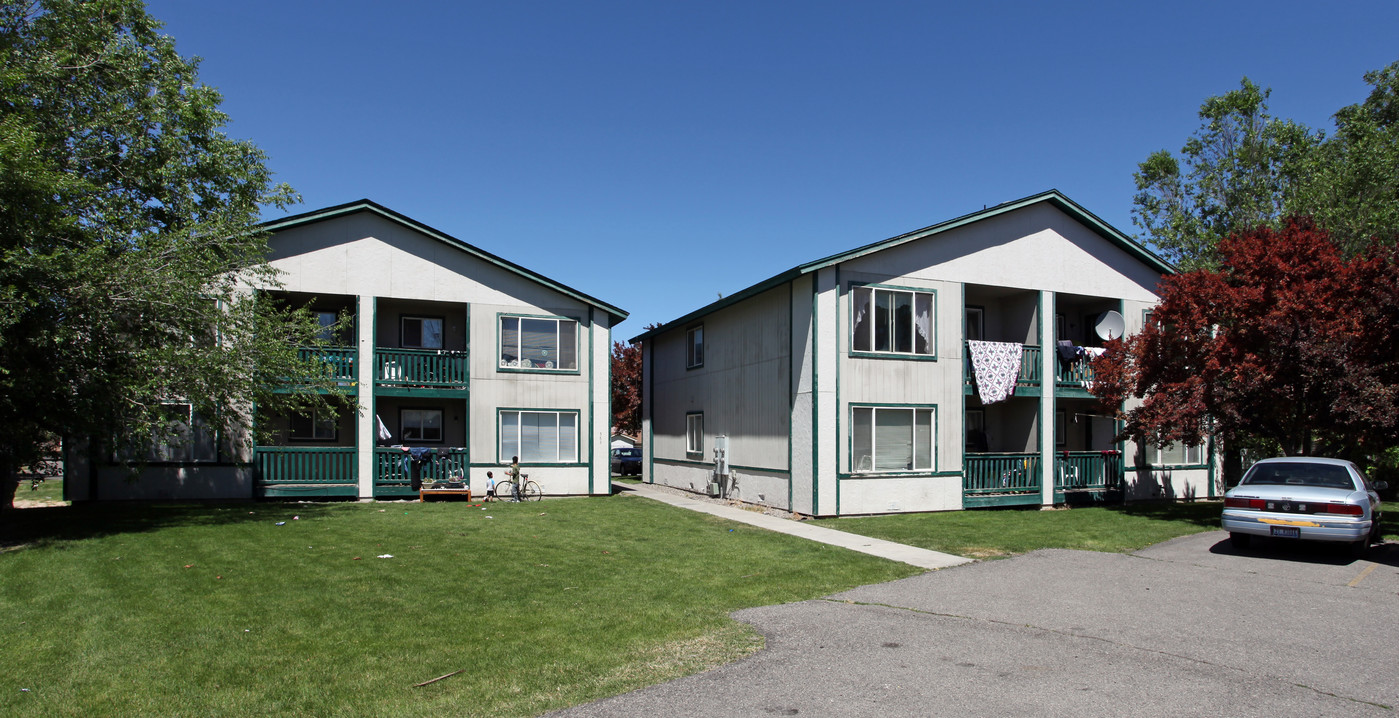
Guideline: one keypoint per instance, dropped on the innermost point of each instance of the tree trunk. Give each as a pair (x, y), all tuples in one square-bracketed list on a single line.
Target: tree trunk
[(9, 482)]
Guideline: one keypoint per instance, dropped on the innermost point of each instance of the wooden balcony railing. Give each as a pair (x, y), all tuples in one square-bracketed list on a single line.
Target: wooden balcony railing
[(421, 367), (1029, 366), (1001, 474), (393, 464), (304, 465), (1087, 470)]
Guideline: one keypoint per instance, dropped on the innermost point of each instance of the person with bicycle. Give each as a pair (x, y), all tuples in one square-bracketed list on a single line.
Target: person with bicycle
[(513, 476)]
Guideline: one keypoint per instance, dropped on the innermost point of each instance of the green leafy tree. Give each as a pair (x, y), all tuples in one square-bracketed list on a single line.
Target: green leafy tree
[(1239, 170), (128, 240), (1352, 183)]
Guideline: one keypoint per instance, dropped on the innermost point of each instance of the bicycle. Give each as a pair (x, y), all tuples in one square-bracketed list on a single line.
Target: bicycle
[(508, 490)]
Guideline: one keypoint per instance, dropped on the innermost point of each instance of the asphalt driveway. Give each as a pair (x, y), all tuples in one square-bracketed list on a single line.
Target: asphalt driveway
[(1187, 627)]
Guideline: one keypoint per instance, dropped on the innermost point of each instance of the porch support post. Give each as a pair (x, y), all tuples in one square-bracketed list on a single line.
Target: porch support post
[(366, 427), (1048, 357)]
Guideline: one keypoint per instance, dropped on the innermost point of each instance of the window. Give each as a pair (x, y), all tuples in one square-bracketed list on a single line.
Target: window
[(892, 438), (422, 425), (421, 332), (694, 433), (538, 343), (187, 437), (313, 427), (976, 431), (892, 321), (539, 436), (1178, 455), (327, 321), (975, 320), (694, 347)]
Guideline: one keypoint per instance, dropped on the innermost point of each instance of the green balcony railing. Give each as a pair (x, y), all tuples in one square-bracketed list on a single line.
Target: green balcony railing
[(340, 361), (438, 368), (1075, 374), (1001, 474), (1029, 366), (392, 466), (1087, 470), (304, 465)]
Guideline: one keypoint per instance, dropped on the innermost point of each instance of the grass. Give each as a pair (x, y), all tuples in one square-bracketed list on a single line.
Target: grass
[(997, 533), (217, 610)]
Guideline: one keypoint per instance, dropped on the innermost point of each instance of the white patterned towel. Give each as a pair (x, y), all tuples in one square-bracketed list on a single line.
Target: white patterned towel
[(996, 366)]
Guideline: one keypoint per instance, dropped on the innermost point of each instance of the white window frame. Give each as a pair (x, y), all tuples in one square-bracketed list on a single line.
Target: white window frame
[(694, 433), (868, 343), (562, 358), (694, 347), (406, 425), (1188, 455), (515, 436), (866, 460)]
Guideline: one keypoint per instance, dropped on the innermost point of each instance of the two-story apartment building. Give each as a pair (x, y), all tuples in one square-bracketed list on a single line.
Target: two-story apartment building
[(467, 357), (857, 383)]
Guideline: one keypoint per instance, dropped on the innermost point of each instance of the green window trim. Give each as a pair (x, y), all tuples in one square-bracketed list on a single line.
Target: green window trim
[(550, 351), (504, 451), (893, 322), (694, 433), (907, 443), (694, 347)]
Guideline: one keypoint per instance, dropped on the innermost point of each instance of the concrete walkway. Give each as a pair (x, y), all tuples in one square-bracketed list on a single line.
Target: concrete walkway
[(923, 558)]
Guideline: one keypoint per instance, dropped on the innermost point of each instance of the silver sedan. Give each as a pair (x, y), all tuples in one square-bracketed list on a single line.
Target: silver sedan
[(1306, 498)]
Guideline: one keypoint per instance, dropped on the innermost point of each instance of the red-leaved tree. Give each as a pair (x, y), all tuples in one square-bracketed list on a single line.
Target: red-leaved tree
[(1288, 340), (626, 387)]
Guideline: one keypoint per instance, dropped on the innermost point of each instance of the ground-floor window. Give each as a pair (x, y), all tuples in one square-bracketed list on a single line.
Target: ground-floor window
[(1177, 455), (313, 426), (185, 437), (885, 438), (694, 433), (539, 436)]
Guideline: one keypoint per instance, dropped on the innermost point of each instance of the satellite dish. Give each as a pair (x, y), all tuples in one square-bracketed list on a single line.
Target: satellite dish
[(1109, 325)]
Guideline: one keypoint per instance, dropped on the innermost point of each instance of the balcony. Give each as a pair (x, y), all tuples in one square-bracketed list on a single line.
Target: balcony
[(429, 368), (305, 471), (1029, 366), (394, 468)]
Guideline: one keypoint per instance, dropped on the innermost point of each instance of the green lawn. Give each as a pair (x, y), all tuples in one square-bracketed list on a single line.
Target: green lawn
[(997, 533), (180, 610)]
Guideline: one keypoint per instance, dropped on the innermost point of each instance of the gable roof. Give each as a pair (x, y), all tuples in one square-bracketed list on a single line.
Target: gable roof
[(1052, 197), (365, 205)]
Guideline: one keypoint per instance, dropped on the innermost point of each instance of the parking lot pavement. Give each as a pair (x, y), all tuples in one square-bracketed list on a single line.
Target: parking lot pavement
[(1186, 627)]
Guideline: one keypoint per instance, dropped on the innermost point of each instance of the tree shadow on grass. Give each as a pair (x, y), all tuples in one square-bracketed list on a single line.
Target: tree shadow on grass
[(46, 525), (1205, 514)]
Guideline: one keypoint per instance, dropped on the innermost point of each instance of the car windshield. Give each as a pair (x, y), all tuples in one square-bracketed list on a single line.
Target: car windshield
[(1300, 474)]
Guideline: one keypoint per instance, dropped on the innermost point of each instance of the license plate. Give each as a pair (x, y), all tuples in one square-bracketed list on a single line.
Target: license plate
[(1287, 531)]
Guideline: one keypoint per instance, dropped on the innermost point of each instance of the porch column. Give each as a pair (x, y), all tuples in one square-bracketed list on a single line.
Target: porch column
[(1047, 390), (366, 427)]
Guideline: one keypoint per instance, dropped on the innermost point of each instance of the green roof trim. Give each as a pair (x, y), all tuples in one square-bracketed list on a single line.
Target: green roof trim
[(365, 205), (1053, 197)]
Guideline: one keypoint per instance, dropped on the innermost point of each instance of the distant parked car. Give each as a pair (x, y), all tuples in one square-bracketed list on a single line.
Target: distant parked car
[(626, 462), (1306, 498)]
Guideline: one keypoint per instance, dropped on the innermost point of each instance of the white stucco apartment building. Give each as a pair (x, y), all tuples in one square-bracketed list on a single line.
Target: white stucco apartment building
[(844, 386), (461, 354)]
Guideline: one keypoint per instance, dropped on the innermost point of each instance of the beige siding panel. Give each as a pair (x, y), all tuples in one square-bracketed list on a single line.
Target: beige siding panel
[(1038, 247)]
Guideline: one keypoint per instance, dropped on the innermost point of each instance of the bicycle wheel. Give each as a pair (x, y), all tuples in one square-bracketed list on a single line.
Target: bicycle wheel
[(532, 492), (504, 491)]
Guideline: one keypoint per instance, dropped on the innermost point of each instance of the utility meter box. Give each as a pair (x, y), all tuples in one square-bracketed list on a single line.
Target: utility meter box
[(721, 455)]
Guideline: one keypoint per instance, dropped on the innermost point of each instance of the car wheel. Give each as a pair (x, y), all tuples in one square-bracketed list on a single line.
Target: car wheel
[(1359, 548), (1240, 541)]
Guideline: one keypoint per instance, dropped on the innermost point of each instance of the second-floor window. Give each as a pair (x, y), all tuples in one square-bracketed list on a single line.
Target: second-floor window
[(892, 321), (539, 343), (421, 332), (694, 347)]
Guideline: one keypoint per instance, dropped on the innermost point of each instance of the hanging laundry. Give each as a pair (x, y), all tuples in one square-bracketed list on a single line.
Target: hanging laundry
[(996, 366)]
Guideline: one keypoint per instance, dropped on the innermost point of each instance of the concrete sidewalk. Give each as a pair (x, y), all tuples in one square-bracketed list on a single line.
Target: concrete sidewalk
[(920, 557)]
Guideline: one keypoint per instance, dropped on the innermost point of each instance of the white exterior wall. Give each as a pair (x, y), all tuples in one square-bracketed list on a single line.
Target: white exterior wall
[(388, 269), (743, 389), (866, 380)]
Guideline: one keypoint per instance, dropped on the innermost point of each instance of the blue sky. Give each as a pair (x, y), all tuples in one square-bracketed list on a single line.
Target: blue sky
[(657, 154)]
